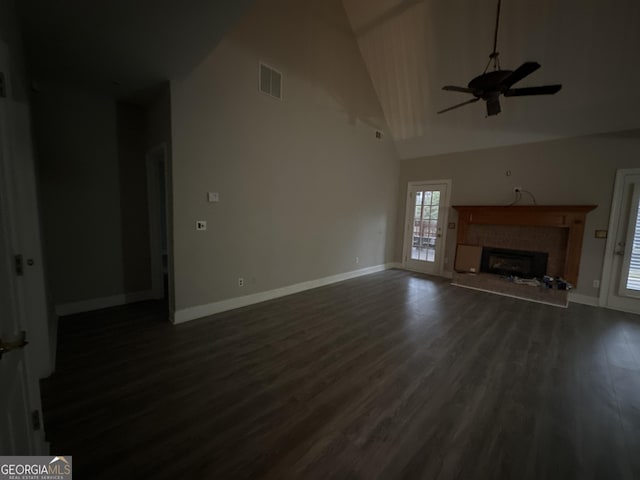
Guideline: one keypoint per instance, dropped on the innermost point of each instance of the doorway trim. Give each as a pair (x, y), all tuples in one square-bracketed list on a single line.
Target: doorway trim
[(157, 163), (614, 220), (445, 222)]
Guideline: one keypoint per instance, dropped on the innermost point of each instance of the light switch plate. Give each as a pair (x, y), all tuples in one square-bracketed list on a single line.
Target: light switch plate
[(213, 197), (201, 225)]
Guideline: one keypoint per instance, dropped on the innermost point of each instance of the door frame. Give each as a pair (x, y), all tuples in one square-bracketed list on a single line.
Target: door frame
[(610, 246), (157, 203), (439, 264)]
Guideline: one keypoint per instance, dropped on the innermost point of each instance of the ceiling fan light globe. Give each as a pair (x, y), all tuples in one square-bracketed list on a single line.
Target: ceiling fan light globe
[(493, 106)]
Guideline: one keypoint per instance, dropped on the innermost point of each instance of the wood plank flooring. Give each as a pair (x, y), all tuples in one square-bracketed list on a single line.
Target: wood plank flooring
[(392, 375)]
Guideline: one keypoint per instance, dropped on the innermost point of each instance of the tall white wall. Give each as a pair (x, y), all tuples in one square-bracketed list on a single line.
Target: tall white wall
[(305, 187)]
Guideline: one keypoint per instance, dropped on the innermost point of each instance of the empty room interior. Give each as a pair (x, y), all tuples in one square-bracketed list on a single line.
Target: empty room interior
[(321, 238)]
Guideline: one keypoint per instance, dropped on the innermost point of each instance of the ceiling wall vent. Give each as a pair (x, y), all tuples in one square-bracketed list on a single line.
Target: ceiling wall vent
[(270, 81)]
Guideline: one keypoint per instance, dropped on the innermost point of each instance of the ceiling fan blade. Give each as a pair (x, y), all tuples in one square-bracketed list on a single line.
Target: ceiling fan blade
[(460, 105), (542, 90), (527, 68), (453, 88)]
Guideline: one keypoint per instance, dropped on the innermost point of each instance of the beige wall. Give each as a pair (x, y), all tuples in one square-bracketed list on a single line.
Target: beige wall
[(158, 117), (304, 185), (93, 194), (572, 171), (77, 153), (132, 175)]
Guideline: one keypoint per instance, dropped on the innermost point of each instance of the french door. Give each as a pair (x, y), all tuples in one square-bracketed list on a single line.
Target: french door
[(424, 241), (621, 282)]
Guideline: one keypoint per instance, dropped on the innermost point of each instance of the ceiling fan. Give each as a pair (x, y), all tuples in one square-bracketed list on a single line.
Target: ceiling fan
[(490, 85)]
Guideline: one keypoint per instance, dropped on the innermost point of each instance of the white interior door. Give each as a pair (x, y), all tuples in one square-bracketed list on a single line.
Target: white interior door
[(427, 207), (621, 281), (16, 433), (18, 388)]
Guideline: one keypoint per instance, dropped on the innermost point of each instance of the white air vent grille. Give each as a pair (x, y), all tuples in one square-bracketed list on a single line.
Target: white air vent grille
[(270, 81)]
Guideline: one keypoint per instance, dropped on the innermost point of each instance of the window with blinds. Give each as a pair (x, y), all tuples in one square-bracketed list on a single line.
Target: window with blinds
[(270, 81), (633, 277)]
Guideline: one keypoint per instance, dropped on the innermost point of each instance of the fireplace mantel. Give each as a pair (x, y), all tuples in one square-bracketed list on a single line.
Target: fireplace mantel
[(571, 217)]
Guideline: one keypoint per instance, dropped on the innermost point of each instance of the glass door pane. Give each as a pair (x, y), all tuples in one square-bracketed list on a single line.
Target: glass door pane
[(425, 225)]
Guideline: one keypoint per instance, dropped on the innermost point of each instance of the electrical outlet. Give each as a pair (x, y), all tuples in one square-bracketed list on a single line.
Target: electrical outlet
[(241, 282), (201, 225), (596, 284)]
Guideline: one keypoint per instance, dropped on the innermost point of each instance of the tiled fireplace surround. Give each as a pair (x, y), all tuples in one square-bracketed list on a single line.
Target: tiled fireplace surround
[(556, 230)]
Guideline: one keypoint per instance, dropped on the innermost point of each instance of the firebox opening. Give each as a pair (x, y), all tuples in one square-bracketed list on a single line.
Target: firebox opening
[(520, 263)]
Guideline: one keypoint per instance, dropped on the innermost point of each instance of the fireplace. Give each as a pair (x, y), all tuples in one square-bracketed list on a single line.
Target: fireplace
[(520, 263), (534, 222)]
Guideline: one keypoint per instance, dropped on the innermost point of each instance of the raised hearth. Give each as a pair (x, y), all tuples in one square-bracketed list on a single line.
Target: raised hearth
[(501, 286)]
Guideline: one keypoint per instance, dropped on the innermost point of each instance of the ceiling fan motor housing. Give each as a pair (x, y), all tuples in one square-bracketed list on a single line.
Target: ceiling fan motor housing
[(490, 81)]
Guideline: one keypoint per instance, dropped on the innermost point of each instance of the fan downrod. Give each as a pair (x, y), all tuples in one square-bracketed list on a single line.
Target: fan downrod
[(490, 85)]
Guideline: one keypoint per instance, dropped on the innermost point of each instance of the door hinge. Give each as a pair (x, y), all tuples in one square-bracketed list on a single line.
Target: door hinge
[(35, 419), (19, 265), (3, 86)]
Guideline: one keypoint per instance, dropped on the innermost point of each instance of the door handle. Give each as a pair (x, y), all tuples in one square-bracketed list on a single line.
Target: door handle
[(20, 342)]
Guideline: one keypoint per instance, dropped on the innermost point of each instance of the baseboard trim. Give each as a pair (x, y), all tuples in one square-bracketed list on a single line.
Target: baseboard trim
[(104, 302), (199, 311), (583, 299)]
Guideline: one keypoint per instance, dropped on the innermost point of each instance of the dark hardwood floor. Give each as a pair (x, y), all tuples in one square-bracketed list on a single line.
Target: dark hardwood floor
[(392, 375)]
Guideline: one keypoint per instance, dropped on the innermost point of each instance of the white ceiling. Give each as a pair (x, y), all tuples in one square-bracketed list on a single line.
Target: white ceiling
[(134, 43), (411, 47), (414, 47)]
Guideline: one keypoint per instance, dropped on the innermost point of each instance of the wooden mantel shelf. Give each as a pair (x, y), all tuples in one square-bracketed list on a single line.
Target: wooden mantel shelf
[(572, 217)]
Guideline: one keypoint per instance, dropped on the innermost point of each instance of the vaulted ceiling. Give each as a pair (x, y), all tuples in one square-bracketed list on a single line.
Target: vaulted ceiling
[(411, 48), (414, 47)]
